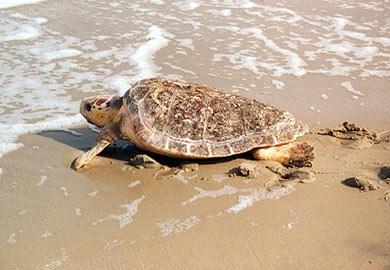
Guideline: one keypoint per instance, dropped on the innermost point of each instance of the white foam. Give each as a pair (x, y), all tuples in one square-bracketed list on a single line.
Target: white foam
[(22, 32), (379, 73), (93, 193), (294, 61), (115, 242), (349, 87), (177, 226), (180, 69), (127, 217), (219, 178), (340, 23), (15, 3), (345, 47), (41, 181), (56, 261), (63, 189), (186, 42), (77, 212), (11, 238), (180, 177), (35, 93), (220, 12), (187, 5), (289, 225), (114, 4), (241, 61), (291, 45), (324, 96), (58, 54), (72, 132), (46, 234), (157, 2), (255, 195), (226, 190), (133, 184), (279, 85), (10, 132), (37, 20), (100, 54), (93, 128), (143, 56), (119, 84)]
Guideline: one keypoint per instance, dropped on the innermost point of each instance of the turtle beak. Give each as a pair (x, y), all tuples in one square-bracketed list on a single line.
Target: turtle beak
[(86, 106)]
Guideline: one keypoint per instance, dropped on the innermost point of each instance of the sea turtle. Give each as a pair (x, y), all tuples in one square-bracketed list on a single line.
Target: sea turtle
[(186, 120)]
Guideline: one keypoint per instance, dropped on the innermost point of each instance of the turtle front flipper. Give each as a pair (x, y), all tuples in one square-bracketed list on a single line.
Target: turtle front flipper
[(107, 136), (86, 158), (292, 154)]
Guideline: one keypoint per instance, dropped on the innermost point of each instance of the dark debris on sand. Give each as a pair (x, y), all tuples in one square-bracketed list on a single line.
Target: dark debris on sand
[(352, 131)]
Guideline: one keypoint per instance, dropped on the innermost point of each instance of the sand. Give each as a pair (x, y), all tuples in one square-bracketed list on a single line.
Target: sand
[(96, 219), (324, 62)]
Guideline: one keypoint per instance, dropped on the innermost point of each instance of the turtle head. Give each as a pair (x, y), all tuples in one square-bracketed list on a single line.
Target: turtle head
[(101, 110)]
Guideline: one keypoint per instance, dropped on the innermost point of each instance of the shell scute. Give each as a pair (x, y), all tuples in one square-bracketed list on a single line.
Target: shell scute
[(221, 150), (258, 117), (224, 120), (155, 107), (178, 146), (241, 143), (187, 114), (200, 149)]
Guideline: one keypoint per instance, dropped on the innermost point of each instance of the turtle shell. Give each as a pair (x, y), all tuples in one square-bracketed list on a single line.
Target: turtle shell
[(190, 120)]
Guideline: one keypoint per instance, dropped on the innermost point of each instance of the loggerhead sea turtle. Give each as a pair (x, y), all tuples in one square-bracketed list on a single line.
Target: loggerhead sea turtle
[(185, 120)]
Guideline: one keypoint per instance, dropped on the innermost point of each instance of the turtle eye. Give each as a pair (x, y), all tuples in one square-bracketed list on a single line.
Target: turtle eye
[(108, 104), (88, 107)]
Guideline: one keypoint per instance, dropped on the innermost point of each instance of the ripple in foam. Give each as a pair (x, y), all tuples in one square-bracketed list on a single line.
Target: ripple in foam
[(255, 195), (127, 217), (142, 59), (177, 226)]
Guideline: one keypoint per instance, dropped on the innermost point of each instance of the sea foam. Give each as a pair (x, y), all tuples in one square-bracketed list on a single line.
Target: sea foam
[(126, 218), (258, 194), (177, 226), (39, 73), (46, 69), (15, 3)]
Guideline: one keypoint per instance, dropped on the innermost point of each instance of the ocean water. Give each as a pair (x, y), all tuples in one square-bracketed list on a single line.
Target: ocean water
[(305, 57)]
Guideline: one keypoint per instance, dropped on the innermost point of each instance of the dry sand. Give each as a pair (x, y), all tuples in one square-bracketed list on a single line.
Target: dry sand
[(54, 216)]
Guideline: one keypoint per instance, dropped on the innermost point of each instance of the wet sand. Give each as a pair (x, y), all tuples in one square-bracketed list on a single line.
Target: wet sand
[(324, 62), (55, 217)]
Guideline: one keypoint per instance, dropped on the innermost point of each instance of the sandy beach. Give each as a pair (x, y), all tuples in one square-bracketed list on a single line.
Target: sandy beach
[(80, 220), (326, 63)]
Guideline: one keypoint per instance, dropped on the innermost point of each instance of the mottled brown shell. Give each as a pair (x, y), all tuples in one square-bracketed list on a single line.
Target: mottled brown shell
[(191, 120)]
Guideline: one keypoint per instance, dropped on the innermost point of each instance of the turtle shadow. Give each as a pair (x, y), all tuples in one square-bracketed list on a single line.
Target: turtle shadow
[(384, 173), (177, 162), (350, 182), (84, 139), (78, 138)]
